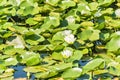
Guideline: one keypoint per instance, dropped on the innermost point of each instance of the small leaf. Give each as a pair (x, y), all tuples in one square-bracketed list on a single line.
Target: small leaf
[(31, 21), (87, 24), (73, 26), (95, 35), (57, 56)]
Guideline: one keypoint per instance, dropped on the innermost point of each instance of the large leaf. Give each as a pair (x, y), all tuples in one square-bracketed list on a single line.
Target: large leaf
[(10, 61), (69, 73), (46, 74), (58, 37), (105, 2), (33, 39), (5, 75), (17, 41), (57, 56), (61, 67), (35, 69), (66, 4), (52, 2), (113, 44), (93, 64), (113, 68), (31, 58), (85, 34)]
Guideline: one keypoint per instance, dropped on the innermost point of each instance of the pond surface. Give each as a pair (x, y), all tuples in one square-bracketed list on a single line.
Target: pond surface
[(19, 73)]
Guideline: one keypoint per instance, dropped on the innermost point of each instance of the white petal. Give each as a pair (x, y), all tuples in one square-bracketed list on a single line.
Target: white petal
[(66, 53), (117, 12), (70, 38), (67, 32), (70, 19)]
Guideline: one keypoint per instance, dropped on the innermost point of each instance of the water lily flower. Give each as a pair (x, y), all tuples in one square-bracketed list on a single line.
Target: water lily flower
[(117, 12), (70, 19), (70, 39), (67, 32), (67, 53)]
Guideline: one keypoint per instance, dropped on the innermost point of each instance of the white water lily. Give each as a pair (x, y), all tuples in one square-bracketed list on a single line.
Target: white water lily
[(117, 12), (67, 53), (67, 32), (70, 19), (70, 39)]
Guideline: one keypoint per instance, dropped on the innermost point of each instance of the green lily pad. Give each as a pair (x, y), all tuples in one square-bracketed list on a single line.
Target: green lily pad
[(93, 64), (69, 73)]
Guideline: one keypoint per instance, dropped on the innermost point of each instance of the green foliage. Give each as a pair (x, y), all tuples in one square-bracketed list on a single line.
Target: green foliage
[(60, 39)]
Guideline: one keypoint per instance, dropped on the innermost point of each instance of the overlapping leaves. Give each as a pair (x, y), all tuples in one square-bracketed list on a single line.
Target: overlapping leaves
[(60, 39)]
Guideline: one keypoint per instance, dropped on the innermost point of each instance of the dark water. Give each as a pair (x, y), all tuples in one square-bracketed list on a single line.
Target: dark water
[(19, 73)]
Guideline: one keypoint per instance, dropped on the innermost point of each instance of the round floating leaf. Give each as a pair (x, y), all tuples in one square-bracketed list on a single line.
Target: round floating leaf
[(72, 73), (31, 21), (10, 61), (77, 55), (35, 69), (66, 4), (93, 64), (57, 56), (46, 74), (31, 58), (113, 44), (58, 37)]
